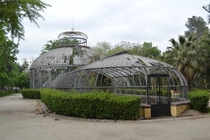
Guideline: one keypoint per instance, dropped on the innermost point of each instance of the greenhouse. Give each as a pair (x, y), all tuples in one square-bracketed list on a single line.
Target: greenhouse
[(125, 74), (71, 67), (72, 52)]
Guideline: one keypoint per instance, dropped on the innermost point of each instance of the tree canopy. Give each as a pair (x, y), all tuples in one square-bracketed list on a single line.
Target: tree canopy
[(187, 56), (146, 49), (207, 8), (196, 26), (8, 70), (102, 47), (205, 42), (50, 45), (12, 13)]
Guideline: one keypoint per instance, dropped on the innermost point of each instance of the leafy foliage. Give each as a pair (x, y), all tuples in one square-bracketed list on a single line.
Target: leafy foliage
[(24, 67), (147, 50), (50, 45), (116, 49), (207, 8), (99, 105), (6, 93), (196, 27), (102, 48), (187, 56), (31, 93), (22, 80), (8, 69), (199, 100), (205, 42), (13, 12)]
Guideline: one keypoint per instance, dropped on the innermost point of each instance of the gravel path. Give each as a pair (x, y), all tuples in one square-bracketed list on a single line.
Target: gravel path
[(19, 121)]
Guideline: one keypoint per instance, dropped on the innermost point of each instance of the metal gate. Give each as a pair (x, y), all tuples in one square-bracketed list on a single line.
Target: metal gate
[(158, 94)]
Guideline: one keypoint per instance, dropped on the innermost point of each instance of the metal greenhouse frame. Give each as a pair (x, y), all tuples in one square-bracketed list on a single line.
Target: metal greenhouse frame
[(72, 52), (124, 74), (73, 66)]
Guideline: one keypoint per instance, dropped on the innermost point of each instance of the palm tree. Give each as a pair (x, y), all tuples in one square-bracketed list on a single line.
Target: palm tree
[(205, 42), (187, 56)]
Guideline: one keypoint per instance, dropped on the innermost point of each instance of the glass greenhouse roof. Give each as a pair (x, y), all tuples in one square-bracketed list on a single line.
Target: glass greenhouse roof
[(119, 68), (59, 57), (69, 67), (125, 60)]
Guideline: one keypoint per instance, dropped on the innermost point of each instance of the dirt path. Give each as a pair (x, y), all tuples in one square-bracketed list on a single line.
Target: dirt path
[(18, 121)]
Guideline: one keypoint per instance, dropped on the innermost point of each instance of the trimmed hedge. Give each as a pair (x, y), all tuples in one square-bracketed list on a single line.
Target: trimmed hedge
[(199, 99), (95, 105), (5, 93), (31, 93)]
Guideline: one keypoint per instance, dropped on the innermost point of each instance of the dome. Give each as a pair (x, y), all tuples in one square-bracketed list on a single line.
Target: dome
[(125, 60), (71, 37), (60, 57), (72, 52), (123, 73)]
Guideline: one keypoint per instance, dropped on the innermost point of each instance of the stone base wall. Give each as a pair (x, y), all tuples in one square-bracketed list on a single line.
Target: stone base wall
[(176, 109)]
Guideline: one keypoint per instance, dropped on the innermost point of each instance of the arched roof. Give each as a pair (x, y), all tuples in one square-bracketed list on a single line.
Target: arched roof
[(125, 60), (120, 68), (58, 57)]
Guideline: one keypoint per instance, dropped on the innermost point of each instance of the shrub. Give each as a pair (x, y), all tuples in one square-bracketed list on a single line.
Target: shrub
[(5, 93), (98, 105), (199, 99), (31, 93)]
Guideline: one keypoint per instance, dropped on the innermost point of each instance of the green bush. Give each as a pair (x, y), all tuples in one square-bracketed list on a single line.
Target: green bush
[(5, 93), (199, 99), (31, 93), (96, 105)]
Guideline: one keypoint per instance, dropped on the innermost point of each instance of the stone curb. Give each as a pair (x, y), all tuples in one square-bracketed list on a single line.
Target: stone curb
[(44, 107)]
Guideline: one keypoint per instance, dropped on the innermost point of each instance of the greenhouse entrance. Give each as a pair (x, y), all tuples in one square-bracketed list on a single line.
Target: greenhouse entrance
[(158, 94)]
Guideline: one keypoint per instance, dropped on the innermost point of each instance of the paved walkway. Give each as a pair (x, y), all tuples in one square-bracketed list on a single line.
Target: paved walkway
[(18, 121)]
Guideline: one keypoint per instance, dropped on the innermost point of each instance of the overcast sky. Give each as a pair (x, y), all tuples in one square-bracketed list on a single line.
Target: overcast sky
[(113, 21)]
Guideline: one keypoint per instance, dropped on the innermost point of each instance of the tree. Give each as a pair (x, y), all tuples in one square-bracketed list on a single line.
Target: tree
[(22, 80), (116, 49), (207, 8), (8, 69), (12, 12), (187, 56), (102, 48), (64, 42), (147, 50), (50, 45), (163, 57), (24, 67), (22, 76), (196, 27), (205, 42)]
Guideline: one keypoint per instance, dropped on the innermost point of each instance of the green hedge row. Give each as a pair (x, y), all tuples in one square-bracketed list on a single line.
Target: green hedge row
[(199, 99), (96, 105), (5, 93), (31, 93)]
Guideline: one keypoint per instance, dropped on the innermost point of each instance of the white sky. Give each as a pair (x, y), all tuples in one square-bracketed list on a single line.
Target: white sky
[(113, 21)]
